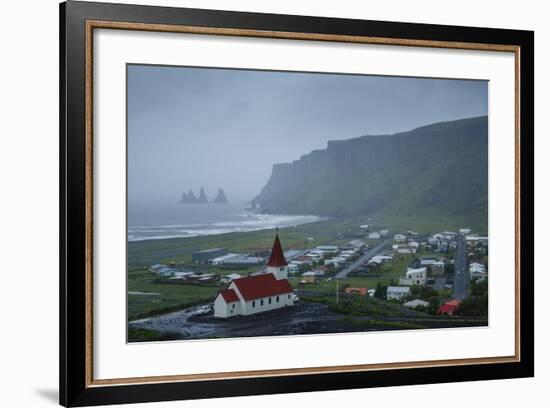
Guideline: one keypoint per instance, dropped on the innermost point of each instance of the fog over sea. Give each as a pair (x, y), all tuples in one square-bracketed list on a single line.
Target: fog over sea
[(163, 221)]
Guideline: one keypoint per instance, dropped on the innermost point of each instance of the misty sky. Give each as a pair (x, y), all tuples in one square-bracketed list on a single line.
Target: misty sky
[(193, 127)]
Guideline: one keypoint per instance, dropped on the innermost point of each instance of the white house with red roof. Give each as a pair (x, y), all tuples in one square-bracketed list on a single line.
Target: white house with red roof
[(259, 293)]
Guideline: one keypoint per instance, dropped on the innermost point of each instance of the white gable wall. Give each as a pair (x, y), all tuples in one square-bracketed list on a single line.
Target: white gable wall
[(225, 309)]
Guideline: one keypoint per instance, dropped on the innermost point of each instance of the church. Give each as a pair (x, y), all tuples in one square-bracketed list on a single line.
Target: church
[(260, 293)]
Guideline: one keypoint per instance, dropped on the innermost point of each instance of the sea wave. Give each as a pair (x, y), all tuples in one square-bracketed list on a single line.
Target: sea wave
[(252, 222)]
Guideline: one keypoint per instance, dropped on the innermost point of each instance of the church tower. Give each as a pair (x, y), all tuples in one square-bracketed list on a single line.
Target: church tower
[(277, 264)]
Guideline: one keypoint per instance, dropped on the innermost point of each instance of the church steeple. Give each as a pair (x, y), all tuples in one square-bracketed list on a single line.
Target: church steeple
[(277, 257), (277, 264)]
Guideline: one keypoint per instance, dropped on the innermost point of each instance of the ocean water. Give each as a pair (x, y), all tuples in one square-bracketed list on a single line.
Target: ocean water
[(191, 220)]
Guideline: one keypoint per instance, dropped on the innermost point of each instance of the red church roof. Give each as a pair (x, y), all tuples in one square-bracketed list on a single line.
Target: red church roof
[(261, 286), (229, 295), (277, 257)]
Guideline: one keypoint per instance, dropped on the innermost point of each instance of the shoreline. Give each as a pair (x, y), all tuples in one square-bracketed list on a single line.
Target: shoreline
[(224, 227)]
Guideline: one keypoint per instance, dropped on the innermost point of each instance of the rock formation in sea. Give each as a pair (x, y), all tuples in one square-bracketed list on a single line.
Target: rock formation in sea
[(202, 196), (220, 198), (188, 198)]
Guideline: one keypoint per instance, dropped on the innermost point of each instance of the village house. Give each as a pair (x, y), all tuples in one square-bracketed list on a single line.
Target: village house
[(260, 293), (305, 260), (477, 271), (449, 235), (374, 235), (219, 259), (438, 268), (293, 268), (202, 257), (357, 244), (404, 249), (329, 248), (308, 277), (399, 238), (314, 257), (243, 260), (449, 308), (414, 277), (475, 240), (412, 304), (336, 262), (156, 267), (397, 292), (428, 260), (379, 259), (318, 272)]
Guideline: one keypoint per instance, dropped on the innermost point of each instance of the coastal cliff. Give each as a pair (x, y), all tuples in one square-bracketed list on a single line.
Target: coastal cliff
[(435, 169)]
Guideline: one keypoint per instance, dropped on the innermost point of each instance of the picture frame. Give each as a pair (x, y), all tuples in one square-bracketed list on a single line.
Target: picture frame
[(79, 21)]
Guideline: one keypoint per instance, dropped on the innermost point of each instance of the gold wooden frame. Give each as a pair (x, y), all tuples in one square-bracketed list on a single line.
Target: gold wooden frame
[(99, 24)]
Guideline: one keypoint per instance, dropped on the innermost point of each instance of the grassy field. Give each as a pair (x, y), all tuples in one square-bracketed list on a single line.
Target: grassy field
[(162, 298)]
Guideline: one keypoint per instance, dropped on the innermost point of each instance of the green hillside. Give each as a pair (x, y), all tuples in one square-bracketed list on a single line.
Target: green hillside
[(435, 170)]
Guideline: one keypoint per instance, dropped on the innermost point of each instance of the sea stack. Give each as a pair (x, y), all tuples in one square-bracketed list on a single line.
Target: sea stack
[(202, 196), (220, 198), (188, 198)]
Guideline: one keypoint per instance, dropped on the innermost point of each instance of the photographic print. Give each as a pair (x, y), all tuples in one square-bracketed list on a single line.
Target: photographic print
[(330, 187), (264, 203)]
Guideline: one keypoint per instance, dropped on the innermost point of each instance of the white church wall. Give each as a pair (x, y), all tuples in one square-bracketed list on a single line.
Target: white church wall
[(263, 304)]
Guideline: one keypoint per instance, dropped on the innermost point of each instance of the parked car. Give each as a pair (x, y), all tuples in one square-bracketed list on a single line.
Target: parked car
[(205, 309)]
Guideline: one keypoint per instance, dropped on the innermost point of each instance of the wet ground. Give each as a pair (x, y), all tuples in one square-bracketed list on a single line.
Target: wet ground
[(302, 318)]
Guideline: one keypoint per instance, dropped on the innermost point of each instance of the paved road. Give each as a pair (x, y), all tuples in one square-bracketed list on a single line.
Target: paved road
[(462, 273), (343, 274)]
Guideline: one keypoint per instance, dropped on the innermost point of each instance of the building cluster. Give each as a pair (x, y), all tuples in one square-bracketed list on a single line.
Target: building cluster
[(268, 288), (430, 270), (320, 259)]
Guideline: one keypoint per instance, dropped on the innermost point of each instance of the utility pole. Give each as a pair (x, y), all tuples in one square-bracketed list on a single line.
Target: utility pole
[(337, 281)]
